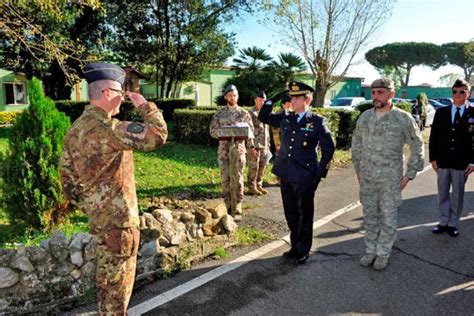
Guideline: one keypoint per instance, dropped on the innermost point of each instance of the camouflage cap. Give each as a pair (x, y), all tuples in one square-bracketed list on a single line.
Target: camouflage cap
[(382, 83), (230, 88)]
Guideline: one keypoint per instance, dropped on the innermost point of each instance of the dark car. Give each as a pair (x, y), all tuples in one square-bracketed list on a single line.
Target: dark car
[(445, 101), (436, 104)]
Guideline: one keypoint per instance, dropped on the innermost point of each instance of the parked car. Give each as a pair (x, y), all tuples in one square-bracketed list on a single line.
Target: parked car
[(347, 103), (445, 101), (436, 104), (400, 100)]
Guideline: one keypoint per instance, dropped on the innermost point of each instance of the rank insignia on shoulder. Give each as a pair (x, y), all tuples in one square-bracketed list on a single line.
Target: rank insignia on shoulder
[(135, 128)]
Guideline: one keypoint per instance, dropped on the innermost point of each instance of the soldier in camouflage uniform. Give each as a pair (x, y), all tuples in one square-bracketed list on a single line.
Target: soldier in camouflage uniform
[(258, 162), (285, 106), (377, 154), (230, 115), (98, 177)]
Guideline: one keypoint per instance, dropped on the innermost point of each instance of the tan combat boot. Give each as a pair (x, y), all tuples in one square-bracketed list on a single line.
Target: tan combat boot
[(254, 191), (380, 263), (367, 260), (238, 212), (262, 190)]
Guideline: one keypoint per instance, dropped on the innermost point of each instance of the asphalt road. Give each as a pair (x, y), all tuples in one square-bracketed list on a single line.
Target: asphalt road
[(428, 274)]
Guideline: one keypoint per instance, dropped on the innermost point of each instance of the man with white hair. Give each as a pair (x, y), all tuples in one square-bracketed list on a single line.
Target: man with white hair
[(98, 177)]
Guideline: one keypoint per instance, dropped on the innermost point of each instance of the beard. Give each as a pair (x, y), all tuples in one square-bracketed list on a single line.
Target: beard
[(380, 104)]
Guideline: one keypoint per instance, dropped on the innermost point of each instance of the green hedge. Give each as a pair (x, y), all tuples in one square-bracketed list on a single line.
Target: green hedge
[(192, 126), (8, 117), (127, 111), (347, 124)]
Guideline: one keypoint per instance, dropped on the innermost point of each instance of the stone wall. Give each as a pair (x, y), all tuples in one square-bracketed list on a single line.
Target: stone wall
[(61, 270)]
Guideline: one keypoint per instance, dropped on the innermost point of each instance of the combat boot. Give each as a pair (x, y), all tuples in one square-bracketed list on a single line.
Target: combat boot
[(367, 260), (238, 213), (254, 191), (380, 263), (262, 190)]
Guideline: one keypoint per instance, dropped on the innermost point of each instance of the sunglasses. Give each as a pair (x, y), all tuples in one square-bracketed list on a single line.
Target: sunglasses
[(120, 92), (462, 92)]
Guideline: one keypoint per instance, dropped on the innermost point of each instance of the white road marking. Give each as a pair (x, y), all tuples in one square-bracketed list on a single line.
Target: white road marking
[(232, 265)]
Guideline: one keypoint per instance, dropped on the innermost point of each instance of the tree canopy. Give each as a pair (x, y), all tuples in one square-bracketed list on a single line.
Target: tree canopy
[(327, 33), (402, 57), (461, 55), (177, 38)]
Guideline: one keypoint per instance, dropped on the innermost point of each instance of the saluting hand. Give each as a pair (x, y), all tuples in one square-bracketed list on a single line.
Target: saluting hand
[(404, 182), (136, 98)]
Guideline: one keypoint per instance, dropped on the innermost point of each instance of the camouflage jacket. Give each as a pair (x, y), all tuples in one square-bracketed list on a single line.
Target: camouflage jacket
[(230, 116), (377, 145), (97, 164), (261, 131)]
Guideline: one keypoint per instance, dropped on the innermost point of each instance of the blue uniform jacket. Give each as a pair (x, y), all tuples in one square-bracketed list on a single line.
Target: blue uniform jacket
[(298, 161)]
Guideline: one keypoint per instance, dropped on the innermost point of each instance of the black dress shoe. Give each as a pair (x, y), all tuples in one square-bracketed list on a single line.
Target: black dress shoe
[(301, 259), (453, 231), (290, 254), (439, 229)]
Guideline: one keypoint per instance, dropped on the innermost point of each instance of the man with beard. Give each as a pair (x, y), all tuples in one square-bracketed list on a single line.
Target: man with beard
[(377, 155), (229, 115)]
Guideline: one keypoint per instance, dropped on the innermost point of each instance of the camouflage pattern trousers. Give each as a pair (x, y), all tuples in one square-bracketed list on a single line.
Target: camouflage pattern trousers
[(257, 167), (116, 258), (223, 158), (380, 201)]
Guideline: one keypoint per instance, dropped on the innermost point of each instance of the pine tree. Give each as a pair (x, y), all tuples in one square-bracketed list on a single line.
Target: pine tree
[(32, 191)]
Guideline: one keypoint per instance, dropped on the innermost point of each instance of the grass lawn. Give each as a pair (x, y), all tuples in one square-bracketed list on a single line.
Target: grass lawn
[(174, 170)]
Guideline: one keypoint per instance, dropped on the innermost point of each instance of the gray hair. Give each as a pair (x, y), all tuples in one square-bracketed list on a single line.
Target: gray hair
[(96, 88)]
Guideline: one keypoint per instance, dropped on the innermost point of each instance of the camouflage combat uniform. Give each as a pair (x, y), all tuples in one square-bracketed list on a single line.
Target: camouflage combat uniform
[(377, 154), (98, 177), (225, 117), (262, 145)]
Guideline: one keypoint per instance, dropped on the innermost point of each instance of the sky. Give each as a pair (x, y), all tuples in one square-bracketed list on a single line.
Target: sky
[(435, 21)]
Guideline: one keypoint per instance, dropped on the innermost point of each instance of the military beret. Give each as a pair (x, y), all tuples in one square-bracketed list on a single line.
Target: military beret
[(286, 98), (261, 94), (382, 83), (230, 88), (103, 71), (299, 88)]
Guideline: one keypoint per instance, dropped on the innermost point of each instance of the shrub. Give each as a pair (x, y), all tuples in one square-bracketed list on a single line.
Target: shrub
[(127, 110), (192, 126), (333, 120), (8, 117), (30, 169), (347, 124), (169, 106)]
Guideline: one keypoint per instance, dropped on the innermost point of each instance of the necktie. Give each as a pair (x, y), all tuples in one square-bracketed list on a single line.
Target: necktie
[(457, 116)]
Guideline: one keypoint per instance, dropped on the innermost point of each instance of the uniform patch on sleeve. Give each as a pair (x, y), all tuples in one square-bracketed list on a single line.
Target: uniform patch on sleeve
[(135, 130)]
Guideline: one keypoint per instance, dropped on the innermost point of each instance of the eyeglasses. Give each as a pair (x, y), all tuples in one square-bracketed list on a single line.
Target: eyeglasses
[(120, 92), (461, 92)]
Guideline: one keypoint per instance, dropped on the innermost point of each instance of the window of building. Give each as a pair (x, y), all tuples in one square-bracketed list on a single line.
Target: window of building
[(15, 93)]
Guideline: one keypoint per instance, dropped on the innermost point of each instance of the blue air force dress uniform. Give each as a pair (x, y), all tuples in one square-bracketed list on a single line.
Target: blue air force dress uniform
[(298, 167)]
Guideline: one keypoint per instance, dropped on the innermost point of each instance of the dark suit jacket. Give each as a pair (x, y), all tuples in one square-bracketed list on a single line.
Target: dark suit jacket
[(298, 161), (451, 145)]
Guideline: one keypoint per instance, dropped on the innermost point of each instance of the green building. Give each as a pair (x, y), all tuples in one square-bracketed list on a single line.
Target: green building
[(13, 91), (410, 92)]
